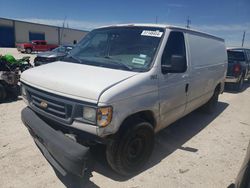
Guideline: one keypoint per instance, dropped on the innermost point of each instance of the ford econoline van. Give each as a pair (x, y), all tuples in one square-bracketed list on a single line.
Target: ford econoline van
[(119, 86)]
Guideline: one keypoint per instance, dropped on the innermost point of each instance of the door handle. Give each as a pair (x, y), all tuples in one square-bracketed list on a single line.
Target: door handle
[(186, 88)]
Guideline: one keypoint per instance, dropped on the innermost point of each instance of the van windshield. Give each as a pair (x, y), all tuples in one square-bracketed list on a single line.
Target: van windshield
[(235, 55), (127, 48)]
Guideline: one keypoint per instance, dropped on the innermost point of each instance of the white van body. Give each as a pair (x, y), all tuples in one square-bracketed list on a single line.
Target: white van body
[(161, 98)]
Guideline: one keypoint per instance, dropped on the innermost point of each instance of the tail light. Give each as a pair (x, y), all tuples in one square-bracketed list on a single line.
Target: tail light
[(236, 69)]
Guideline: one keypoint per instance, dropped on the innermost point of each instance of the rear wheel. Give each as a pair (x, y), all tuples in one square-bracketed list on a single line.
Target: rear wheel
[(28, 50), (211, 105), (129, 151), (3, 93)]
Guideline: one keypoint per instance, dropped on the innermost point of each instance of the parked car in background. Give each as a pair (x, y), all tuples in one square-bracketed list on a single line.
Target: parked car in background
[(243, 178), (119, 86), (35, 46), (52, 56), (238, 67)]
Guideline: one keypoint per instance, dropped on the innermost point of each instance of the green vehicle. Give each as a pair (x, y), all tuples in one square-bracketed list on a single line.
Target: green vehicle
[(10, 69)]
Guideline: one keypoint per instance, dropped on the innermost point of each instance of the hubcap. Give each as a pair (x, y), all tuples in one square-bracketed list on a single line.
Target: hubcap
[(135, 150)]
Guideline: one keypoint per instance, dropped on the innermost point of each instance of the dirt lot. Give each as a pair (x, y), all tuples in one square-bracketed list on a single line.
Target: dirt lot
[(197, 151)]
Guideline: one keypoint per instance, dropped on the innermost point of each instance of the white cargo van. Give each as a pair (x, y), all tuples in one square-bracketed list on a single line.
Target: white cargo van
[(119, 86)]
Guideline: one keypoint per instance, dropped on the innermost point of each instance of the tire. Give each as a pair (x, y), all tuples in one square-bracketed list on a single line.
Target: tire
[(28, 50), (13, 92), (3, 93), (131, 149), (239, 86), (211, 105)]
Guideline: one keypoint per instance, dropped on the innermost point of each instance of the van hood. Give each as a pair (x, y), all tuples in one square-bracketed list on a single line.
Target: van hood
[(78, 81)]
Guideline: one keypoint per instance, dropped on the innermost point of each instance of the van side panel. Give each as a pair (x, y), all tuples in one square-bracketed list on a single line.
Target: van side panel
[(208, 59)]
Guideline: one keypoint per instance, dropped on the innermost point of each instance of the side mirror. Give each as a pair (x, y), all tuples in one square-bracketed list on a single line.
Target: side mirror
[(177, 65)]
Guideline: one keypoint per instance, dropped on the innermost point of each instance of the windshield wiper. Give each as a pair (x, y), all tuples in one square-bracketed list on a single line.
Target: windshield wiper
[(114, 61)]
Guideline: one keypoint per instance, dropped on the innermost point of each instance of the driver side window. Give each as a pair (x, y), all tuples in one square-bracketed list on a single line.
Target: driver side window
[(174, 46)]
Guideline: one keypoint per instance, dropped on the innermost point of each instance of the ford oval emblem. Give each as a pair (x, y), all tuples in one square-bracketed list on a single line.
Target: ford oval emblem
[(43, 104)]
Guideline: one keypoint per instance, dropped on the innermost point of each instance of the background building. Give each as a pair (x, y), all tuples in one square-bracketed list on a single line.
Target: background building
[(15, 31)]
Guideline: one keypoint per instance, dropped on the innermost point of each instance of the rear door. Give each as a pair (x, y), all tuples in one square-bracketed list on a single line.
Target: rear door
[(234, 56), (173, 87)]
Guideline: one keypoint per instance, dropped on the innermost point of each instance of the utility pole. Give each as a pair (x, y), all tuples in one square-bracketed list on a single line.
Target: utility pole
[(156, 19), (63, 25), (243, 38), (188, 23)]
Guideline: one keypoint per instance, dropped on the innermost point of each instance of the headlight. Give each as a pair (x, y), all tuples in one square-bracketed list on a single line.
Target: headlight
[(104, 116), (89, 114)]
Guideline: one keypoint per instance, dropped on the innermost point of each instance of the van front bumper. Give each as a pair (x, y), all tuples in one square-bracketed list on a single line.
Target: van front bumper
[(62, 153)]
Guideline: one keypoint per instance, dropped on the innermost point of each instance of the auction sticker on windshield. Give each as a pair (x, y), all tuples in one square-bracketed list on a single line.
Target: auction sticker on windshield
[(138, 61), (156, 33)]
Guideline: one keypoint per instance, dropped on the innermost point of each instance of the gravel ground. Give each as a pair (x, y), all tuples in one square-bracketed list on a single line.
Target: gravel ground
[(199, 150)]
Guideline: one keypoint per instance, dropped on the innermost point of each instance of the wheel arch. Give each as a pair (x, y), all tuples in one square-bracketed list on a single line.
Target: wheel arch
[(219, 87), (146, 115)]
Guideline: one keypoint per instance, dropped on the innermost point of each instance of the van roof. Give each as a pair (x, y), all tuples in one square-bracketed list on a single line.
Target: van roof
[(165, 26)]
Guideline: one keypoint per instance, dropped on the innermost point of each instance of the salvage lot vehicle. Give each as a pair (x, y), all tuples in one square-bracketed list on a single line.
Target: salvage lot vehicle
[(8, 84), (238, 67), (10, 69), (35, 46), (243, 178), (52, 56), (126, 83)]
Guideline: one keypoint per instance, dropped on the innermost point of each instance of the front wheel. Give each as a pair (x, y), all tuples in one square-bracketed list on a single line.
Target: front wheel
[(28, 50), (129, 151)]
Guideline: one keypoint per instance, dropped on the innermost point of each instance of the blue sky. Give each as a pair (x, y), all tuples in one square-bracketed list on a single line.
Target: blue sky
[(225, 18)]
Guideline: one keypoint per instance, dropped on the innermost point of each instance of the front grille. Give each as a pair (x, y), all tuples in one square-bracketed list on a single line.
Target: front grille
[(52, 106)]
